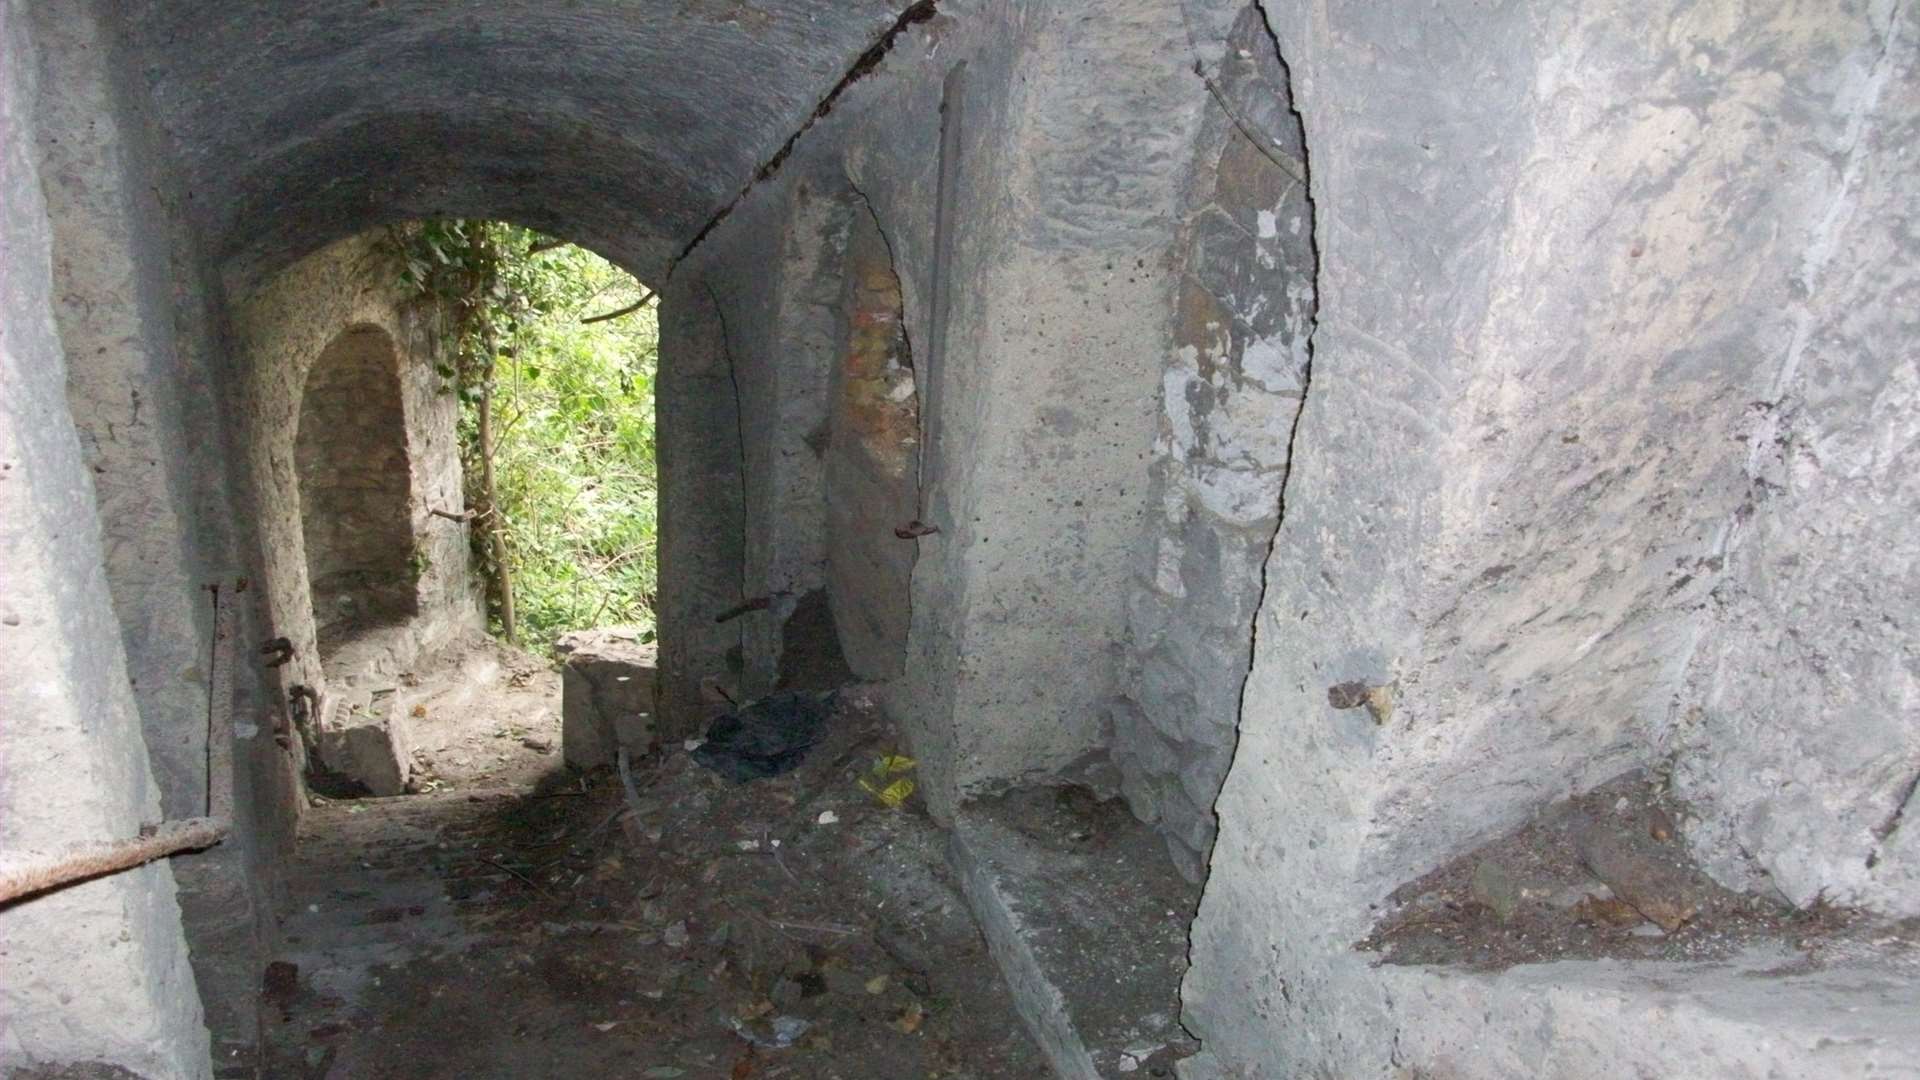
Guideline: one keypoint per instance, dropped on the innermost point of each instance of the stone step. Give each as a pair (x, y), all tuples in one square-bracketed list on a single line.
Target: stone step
[(1087, 922)]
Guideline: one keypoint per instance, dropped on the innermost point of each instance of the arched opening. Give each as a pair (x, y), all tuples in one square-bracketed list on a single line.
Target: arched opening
[(350, 457)]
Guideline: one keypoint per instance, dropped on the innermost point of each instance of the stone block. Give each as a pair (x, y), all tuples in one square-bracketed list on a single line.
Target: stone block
[(606, 694), (368, 739)]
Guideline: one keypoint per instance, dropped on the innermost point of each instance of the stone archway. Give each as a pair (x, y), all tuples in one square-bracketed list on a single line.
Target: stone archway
[(350, 454)]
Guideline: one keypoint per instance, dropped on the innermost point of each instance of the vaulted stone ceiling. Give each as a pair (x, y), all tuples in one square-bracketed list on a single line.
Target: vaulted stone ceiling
[(622, 124)]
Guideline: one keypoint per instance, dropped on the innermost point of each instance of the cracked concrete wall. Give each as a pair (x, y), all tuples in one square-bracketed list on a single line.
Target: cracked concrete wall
[(1562, 256), (1231, 391), (97, 972)]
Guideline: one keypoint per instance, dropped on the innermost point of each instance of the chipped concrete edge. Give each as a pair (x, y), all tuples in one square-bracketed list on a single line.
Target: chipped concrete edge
[(1040, 1003)]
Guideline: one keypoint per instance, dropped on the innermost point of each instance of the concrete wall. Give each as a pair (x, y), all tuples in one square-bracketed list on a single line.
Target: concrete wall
[(1574, 273), (147, 379), (97, 972)]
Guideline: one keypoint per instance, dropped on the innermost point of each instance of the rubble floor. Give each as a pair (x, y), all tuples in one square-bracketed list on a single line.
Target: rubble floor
[(484, 714), (478, 713), (793, 927)]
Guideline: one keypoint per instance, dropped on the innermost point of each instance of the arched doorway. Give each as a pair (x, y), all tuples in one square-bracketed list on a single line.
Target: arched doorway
[(350, 454)]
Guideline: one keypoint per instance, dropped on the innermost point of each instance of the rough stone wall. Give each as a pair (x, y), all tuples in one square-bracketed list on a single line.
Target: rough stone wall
[(97, 972), (352, 472), (281, 331), (1563, 252), (1231, 392), (1798, 735)]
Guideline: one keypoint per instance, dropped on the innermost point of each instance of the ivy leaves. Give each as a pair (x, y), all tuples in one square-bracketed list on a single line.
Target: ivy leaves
[(572, 411)]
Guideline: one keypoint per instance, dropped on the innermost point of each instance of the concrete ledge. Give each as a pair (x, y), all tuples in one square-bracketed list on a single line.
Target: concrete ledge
[(1765, 1014), (1087, 924)]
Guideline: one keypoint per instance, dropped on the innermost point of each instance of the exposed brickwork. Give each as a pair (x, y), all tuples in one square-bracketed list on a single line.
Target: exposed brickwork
[(873, 461)]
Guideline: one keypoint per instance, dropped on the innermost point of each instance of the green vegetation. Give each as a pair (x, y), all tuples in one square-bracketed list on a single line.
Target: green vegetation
[(556, 423)]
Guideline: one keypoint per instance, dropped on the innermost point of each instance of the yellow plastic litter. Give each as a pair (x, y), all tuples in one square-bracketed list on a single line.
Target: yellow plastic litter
[(886, 780)]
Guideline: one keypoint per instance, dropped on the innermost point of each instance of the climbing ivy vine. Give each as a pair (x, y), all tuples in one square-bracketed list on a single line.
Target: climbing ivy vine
[(556, 425)]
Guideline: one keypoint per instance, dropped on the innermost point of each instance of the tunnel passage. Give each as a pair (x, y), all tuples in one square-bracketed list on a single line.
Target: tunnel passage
[(350, 455), (1527, 543)]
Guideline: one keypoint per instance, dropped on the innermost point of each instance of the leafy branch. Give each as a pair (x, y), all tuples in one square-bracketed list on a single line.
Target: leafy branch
[(556, 418)]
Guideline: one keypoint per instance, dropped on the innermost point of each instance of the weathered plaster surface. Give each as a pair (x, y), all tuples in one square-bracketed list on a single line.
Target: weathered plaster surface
[(1233, 378), (98, 971), (1561, 257)]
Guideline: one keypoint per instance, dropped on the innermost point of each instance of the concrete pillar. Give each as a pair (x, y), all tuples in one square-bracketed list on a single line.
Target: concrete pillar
[(1043, 390), (97, 972), (702, 502)]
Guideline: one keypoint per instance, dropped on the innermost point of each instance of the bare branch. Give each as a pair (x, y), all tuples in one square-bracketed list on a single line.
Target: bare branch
[(628, 310)]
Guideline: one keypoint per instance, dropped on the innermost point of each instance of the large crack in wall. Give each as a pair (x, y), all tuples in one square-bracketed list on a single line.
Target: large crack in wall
[(919, 12), (1231, 397)]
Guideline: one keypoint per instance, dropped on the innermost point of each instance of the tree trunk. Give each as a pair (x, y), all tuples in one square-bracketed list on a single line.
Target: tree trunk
[(496, 534)]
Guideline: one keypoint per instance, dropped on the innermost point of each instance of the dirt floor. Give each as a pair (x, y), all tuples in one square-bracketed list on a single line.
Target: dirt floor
[(1607, 876), (794, 927), (485, 714)]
